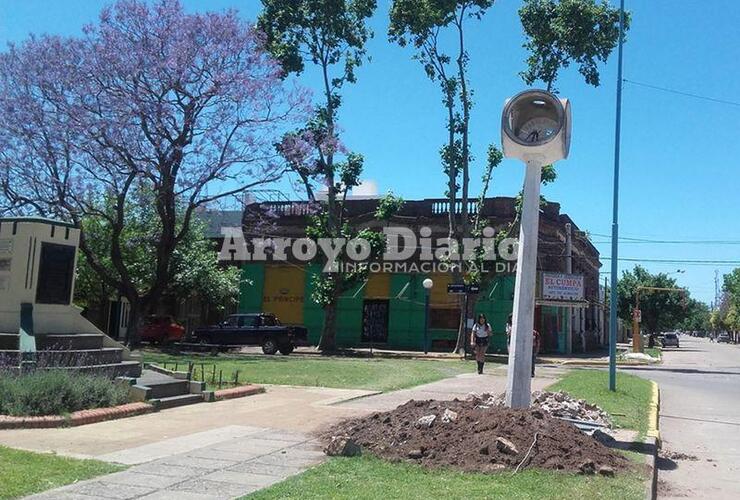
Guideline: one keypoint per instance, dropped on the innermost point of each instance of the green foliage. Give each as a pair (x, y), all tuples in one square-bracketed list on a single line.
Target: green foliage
[(421, 24), (323, 31), (388, 206), (661, 310), (698, 317), (193, 267), (56, 392), (726, 316), (561, 32), (25, 473)]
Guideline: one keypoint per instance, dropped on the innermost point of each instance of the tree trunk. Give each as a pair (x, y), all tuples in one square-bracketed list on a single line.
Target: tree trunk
[(328, 342), (132, 330)]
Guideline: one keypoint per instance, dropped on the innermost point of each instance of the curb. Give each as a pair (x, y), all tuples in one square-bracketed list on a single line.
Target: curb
[(654, 417), (238, 392), (651, 491), (653, 440), (82, 417)]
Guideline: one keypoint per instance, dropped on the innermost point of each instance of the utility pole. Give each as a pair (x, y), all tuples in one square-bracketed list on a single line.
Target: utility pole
[(569, 270), (615, 213)]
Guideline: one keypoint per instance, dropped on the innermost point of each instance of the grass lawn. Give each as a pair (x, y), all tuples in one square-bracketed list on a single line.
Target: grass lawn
[(628, 405), (655, 352), (24, 473), (371, 478), (356, 373)]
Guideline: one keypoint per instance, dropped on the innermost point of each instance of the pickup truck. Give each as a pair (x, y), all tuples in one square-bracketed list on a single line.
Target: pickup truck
[(262, 329)]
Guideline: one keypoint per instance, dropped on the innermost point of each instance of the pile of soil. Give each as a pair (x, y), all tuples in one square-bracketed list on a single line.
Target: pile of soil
[(469, 439)]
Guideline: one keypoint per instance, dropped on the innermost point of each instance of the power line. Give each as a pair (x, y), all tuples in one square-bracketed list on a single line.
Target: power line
[(680, 261), (671, 242), (682, 93)]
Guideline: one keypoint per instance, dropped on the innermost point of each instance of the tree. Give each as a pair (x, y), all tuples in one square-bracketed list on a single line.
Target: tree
[(561, 32), (423, 24), (661, 310), (195, 266), (150, 100), (330, 34), (697, 317)]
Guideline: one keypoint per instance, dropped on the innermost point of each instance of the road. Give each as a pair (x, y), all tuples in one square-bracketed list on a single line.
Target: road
[(700, 417)]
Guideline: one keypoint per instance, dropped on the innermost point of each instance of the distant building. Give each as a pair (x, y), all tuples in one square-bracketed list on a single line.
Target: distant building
[(388, 309)]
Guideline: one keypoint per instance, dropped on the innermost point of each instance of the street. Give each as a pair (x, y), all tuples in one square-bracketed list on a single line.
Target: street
[(700, 417)]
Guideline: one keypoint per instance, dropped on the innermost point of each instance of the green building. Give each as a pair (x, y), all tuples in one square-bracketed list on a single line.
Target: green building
[(387, 310)]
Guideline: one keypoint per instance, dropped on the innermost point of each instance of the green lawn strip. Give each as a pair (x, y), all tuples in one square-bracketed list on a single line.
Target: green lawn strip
[(24, 473), (371, 478), (372, 374), (655, 352), (629, 405)]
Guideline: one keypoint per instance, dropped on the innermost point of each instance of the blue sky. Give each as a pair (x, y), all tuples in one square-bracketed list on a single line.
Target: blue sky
[(679, 176)]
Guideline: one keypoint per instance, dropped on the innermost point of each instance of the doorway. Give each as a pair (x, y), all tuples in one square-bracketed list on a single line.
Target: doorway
[(375, 321)]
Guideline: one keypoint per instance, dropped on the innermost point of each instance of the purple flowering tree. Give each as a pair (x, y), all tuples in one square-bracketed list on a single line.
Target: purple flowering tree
[(152, 104)]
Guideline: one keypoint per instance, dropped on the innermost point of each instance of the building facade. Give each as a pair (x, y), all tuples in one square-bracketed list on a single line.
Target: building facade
[(388, 309)]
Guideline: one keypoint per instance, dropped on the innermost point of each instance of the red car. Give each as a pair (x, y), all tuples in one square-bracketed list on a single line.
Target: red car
[(161, 330)]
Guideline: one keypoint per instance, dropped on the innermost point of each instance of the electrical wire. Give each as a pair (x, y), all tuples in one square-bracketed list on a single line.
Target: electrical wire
[(681, 93)]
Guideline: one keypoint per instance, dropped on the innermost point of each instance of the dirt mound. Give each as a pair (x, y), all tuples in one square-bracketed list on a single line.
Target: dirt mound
[(466, 436)]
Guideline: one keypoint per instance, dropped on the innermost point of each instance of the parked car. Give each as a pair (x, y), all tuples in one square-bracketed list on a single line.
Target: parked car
[(723, 337), (161, 330), (260, 329), (669, 339)]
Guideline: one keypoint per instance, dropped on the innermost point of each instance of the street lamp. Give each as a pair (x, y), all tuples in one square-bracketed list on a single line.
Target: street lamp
[(535, 129), (427, 284)]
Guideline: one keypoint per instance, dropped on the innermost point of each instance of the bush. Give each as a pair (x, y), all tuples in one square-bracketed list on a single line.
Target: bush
[(56, 392)]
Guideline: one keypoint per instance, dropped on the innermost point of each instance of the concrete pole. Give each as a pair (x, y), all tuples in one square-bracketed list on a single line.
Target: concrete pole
[(569, 270), (518, 384)]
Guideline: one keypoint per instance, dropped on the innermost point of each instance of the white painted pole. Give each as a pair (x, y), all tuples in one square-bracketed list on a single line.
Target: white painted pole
[(518, 384)]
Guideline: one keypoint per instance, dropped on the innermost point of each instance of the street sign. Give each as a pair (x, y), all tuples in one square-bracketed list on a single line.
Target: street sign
[(637, 314), (461, 288)]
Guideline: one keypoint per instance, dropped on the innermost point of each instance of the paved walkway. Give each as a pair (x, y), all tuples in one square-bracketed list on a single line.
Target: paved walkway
[(226, 469), (493, 381), (300, 409)]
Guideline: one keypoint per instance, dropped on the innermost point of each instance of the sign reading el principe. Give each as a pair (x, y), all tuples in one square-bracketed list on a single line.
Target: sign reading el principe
[(559, 286)]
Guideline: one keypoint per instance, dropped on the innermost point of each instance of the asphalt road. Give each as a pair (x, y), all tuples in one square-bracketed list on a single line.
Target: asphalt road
[(700, 417)]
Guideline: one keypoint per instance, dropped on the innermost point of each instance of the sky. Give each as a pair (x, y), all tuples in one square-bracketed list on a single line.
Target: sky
[(679, 170)]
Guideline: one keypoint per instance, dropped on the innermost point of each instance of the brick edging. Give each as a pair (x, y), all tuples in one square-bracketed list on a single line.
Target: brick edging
[(238, 392), (82, 417)]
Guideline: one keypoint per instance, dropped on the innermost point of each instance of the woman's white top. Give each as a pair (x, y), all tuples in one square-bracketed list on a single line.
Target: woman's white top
[(481, 330)]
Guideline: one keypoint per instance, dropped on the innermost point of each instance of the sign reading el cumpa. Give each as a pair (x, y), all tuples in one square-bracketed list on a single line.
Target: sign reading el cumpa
[(559, 286)]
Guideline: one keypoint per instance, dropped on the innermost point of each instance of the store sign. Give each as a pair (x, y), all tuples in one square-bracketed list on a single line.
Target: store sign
[(558, 286)]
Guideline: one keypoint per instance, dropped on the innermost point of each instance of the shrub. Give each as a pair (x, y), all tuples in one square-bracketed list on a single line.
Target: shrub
[(56, 392)]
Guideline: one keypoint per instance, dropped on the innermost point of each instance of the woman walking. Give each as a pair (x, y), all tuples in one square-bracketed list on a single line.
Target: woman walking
[(479, 340)]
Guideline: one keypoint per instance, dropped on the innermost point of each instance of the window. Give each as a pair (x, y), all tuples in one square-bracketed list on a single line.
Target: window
[(268, 321)]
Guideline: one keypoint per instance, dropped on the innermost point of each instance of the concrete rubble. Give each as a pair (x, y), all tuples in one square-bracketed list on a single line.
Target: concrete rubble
[(556, 404)]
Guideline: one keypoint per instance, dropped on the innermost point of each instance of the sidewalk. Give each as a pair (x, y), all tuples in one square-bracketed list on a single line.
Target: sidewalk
[(598, 356), (492, 381), (299, 409), (230, 468)]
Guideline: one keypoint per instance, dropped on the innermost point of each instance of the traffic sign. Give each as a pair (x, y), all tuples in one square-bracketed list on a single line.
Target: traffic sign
[(456, 288)]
